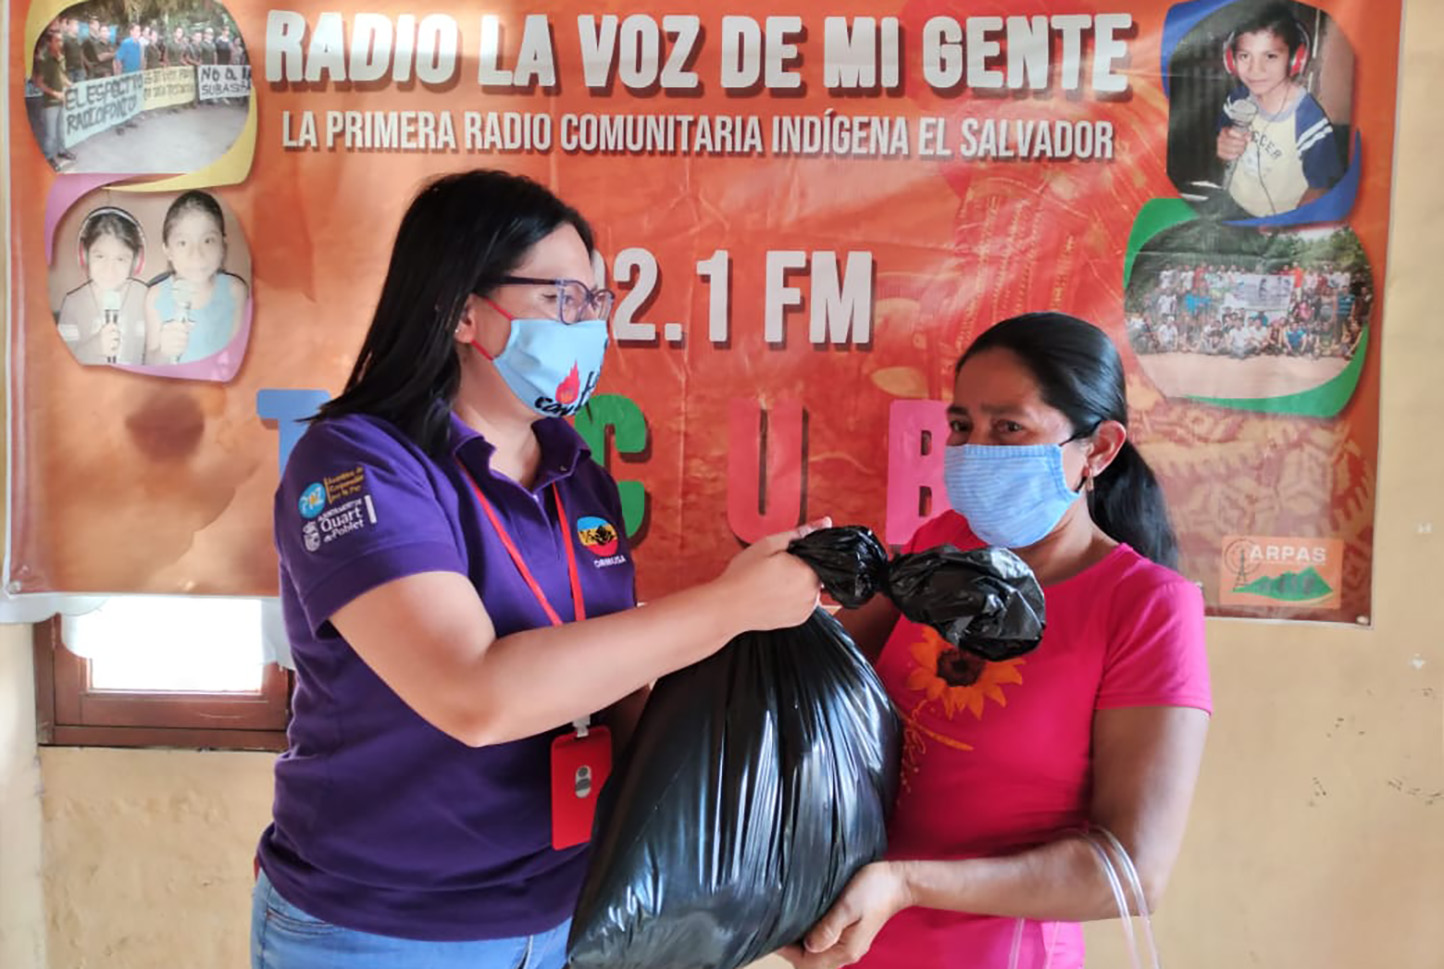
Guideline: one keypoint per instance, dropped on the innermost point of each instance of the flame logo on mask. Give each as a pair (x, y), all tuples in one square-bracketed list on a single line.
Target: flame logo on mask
[(568, 389)]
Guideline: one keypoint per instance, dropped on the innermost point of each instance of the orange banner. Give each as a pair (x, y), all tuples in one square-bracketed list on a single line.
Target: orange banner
[(808, 215)]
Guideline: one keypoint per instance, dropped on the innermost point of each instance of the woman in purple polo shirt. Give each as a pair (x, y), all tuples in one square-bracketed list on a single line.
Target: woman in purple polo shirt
[(458, 594)]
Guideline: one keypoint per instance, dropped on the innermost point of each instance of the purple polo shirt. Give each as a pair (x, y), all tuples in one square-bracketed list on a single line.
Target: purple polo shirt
[(383, 823)]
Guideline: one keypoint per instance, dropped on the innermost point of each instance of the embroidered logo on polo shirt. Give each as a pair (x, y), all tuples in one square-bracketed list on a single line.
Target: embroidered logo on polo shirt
[(601, 539), (336, 505), (347, 484), (313, 500)]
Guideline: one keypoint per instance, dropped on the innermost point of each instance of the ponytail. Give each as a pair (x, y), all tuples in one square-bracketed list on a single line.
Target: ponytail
[(1127, 503)]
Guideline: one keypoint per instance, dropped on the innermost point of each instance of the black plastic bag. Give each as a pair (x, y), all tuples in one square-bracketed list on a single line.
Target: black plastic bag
[(985, 600), (757, 784), (852, 564), (759, 780)]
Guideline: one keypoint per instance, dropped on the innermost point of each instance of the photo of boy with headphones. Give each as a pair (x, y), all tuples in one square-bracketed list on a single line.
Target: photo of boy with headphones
[(1274, 137), (1260, 110)]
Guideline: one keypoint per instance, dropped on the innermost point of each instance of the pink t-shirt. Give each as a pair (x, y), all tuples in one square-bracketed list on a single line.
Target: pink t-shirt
[(997, 758)]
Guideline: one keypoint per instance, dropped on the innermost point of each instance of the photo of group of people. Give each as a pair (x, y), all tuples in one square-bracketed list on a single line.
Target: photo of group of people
[(163, 92), (1283, 315), (1260, 103), (156, 281)]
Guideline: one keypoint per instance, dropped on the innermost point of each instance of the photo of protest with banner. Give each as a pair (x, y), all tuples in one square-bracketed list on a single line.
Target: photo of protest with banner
[(806, 214), (162, 92)]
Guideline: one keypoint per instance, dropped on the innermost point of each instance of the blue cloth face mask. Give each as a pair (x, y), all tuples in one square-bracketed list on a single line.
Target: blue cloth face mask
[(551, 366), (1011, 495)]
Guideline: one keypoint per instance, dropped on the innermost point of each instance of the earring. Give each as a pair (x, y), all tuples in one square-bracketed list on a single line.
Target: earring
[(1087, 479)]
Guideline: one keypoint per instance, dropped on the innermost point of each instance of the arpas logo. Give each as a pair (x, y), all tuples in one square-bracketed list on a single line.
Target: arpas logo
[(598, 535), (1287, 571), (313, 500)]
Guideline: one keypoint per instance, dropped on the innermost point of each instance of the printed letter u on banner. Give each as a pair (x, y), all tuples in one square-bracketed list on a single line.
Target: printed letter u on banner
[(766, 453)]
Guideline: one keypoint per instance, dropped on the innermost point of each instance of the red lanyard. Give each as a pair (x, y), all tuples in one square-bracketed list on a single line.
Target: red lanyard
[(578, 606)]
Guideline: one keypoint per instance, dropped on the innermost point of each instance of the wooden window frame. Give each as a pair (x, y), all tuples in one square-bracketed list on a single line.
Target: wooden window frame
[(70, 713)]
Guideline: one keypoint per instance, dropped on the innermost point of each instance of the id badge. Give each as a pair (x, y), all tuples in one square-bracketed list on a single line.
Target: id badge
[(580, 766)]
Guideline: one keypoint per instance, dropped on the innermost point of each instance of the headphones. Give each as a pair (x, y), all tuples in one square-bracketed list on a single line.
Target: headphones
[(1297, 62), (137, 259)]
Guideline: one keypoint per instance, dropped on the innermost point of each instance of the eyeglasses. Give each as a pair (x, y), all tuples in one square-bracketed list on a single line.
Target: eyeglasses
[(575, 301)]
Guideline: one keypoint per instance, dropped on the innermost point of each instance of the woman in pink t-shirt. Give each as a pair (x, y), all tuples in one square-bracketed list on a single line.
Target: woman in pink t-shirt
[(1103, 724)]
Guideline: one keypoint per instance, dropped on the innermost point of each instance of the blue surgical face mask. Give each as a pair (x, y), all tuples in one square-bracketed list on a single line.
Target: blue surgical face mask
[(551, 366), (1011, 495)]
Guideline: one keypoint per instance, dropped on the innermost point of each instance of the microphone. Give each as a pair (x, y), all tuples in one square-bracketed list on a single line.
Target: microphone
[(110, 308), (1240, 114), (182, 291)]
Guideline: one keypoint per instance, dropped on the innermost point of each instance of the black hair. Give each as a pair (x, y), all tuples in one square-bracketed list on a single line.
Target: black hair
[(1277, 19), (1080, 373), (110, 221), (192, 201), (461, 234)]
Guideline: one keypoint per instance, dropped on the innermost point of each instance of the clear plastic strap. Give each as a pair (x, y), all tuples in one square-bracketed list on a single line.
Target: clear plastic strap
[(1017, 943), (1100, 839), (1140, 900), (1117, 887)]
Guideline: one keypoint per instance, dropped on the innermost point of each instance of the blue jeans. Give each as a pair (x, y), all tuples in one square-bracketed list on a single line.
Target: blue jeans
[(50, 140), (284, 937)]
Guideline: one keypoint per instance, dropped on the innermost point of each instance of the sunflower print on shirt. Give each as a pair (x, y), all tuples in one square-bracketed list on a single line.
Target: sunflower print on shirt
[(953, 682)]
